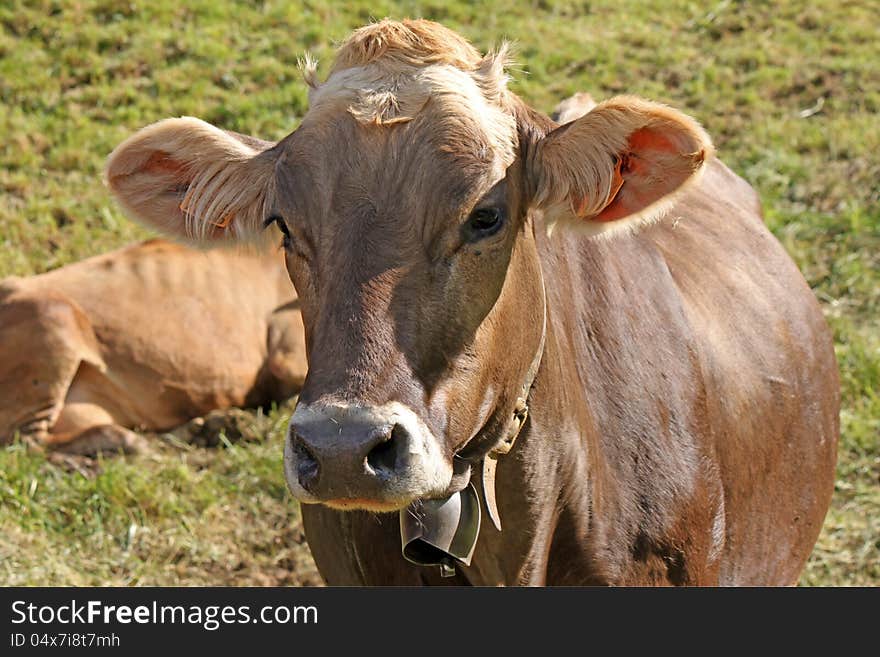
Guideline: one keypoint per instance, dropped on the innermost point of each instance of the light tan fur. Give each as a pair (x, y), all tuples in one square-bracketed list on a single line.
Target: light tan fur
[(388, 72), (393, 50), (408, 43), (147, 337), (382, 65)]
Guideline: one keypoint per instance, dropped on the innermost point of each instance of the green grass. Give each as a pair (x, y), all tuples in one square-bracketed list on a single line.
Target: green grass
[(175, 515), (790, 92)]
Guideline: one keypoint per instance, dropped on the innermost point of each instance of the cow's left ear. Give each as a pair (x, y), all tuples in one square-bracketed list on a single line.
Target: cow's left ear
[(617, 167), (191, 180)]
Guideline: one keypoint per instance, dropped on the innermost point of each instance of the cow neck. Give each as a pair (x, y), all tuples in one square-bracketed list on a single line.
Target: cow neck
[(444, 532), (520, 414)]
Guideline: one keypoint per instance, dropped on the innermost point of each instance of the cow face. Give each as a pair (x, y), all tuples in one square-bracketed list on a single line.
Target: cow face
[(407, 200)]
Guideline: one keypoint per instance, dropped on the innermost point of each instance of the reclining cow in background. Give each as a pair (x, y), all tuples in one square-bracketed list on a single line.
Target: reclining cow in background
[(145, 337), (648, 396)]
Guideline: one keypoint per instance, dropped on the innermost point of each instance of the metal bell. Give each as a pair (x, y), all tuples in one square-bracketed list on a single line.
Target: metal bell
[(441, 532)]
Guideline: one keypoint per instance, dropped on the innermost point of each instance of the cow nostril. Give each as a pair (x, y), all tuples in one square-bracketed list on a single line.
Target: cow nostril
[(383, 457), (307, 466)]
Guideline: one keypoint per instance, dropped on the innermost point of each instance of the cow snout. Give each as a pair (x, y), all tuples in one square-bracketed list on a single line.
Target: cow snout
[(336, 451), (354, 457)]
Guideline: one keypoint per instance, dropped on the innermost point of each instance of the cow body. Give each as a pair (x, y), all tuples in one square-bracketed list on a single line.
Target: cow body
[(145, 337), (678, 375), (683, 424)]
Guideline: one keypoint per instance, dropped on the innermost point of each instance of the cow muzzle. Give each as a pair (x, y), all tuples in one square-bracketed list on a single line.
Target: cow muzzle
[(376, 458)]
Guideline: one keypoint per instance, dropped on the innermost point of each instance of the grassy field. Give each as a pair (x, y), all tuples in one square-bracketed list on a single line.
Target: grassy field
[(790, 92)]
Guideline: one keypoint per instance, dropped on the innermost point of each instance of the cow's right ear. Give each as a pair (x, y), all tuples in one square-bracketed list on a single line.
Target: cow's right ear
[(191, 180)]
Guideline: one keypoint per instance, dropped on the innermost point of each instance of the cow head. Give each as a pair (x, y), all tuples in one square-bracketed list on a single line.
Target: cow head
[(408, 199)]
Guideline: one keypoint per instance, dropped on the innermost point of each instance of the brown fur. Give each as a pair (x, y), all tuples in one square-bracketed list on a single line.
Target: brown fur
[(683, 422), (146, 337)]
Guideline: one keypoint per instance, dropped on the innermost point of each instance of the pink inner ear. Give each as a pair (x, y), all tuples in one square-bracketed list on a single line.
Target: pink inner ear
[(652, 167), (161, 162), (648, 139)]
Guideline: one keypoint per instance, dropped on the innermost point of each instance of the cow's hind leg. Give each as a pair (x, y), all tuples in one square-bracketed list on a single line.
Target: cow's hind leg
[(44, 340), (51, 376), (86, 429), (89, 423)]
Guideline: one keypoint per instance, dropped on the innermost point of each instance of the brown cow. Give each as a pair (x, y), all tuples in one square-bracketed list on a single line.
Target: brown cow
[(148, 336), (677, 375)]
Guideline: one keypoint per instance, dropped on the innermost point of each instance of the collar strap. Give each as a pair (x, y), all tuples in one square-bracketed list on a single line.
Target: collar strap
[(520, 414)]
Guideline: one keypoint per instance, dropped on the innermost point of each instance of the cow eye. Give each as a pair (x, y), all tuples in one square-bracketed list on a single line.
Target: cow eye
[(485, 221), (282, 226)]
